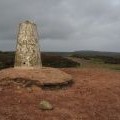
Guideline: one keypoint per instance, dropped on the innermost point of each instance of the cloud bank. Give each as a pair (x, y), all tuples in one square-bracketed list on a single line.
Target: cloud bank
[(64, 25)]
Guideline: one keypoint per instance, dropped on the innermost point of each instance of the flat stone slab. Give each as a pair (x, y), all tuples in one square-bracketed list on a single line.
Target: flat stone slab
[(39, 76)]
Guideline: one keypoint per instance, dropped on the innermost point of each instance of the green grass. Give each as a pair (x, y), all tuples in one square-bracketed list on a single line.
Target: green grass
[(112, 66), (99, 63)]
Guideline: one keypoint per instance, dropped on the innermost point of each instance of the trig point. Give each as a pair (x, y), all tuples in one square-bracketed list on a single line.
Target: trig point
[(28, 56), (27, 49)]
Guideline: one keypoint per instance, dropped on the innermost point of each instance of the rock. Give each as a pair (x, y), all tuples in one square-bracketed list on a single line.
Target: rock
[(18, 87), (29, 90), (19, 101), (45, 105), (18, 91)]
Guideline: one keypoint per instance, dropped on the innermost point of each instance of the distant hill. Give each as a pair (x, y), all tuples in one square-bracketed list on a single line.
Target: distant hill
[(98, 53), (81, 53), (85, 53), (106, 57)]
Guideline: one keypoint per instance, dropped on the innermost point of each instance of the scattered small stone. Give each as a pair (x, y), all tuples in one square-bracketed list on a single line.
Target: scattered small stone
[(29, 90), (45, 105), (19, 91), (18, 87), (19, 101)]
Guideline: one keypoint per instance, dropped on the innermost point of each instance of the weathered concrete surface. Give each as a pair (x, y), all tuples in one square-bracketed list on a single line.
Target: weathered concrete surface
[(27, 49), (44, 77)]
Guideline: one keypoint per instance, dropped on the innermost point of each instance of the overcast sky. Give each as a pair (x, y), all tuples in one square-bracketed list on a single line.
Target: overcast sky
[(64, 25)]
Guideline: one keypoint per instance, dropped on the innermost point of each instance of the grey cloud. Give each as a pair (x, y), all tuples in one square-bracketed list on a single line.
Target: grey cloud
[(64, 25)]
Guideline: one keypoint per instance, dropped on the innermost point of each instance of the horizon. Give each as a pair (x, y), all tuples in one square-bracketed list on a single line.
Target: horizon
[(71, 51)]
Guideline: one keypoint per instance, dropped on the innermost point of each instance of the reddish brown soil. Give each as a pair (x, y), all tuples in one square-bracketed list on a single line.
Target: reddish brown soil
[(94, 96)]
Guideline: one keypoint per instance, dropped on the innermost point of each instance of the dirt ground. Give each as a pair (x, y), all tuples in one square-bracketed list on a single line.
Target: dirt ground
[(95, 95)]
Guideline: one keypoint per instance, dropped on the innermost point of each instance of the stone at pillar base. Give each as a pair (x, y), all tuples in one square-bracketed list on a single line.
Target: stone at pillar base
[(43, 77)]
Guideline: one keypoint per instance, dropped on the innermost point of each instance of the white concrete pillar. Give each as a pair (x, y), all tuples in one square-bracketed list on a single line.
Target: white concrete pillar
[(27, 48)]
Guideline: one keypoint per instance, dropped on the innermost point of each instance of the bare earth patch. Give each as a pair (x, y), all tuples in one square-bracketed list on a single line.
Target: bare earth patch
[(95, 95)]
